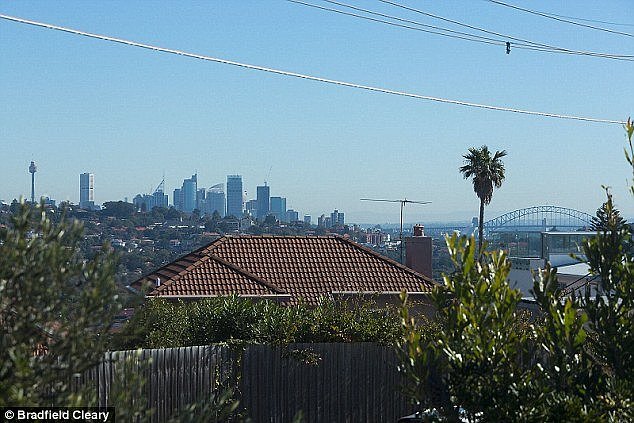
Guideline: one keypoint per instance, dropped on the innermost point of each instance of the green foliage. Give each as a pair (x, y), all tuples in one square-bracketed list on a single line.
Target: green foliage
[(161, 323), (611, 311), (608, 217), (575, 363), (481, 341), (53, 302), (119, 209), (568, 372)]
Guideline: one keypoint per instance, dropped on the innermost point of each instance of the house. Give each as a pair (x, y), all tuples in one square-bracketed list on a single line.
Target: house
[(288, 269)]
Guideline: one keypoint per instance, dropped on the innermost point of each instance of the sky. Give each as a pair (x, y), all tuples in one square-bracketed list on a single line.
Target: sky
[(131, 116)]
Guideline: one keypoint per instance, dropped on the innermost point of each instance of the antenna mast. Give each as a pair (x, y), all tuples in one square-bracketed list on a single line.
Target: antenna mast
[(403, 202)]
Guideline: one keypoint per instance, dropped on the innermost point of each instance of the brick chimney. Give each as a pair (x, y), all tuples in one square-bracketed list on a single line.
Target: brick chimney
[(418, 252)]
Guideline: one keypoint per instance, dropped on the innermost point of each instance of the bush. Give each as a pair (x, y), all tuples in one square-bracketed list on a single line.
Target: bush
[(55, 309), (161, 324), (488, 363)]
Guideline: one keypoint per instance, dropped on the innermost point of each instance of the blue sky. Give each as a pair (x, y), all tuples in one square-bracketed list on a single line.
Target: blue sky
[(129, 115)]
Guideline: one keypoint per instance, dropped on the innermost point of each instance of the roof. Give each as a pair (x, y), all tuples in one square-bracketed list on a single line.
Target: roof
[(294, 267)]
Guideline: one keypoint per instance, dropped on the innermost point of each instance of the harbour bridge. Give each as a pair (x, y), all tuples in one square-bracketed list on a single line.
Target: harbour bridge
[(529, 219)]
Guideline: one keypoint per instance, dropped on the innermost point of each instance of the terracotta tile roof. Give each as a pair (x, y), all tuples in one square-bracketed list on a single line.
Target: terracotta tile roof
[(306, 267)]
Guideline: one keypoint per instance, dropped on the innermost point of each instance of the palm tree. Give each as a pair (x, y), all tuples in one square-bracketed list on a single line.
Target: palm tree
[(487, 172)]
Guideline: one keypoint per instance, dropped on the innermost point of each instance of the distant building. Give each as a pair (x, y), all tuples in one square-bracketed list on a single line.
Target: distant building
[(48, 201), (215, 200), (307, 219), (189, 191), (234, 196), (177, 198), (292, 216), (337, 218), (556, 248), (278, 208), (263, 201), (251, 207), (147, 202), (87, 191), (321, 221), (201, 195)]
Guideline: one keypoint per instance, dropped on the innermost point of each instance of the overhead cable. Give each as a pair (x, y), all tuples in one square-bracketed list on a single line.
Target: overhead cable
[(308, 77), (559, 18), (509, 37), (469, 37), (499, 41)]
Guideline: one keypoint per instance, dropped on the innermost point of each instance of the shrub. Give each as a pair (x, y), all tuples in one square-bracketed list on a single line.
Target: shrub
[(160, 323)]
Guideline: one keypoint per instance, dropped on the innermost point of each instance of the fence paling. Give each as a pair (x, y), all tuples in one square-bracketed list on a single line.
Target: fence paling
[(350, 382)]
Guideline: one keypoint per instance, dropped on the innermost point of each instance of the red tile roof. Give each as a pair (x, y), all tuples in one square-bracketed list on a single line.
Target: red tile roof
[(306, 267)]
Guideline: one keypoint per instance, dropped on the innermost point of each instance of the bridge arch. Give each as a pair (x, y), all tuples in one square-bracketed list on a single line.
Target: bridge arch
[(539, 217)]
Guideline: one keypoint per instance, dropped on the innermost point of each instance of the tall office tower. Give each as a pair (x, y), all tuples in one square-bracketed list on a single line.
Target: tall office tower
[(321, 221), (251, 207), (159, 199), (263, 196), (178, 199), (234, 196), (278, 208), (32, 170), (216, 200), (147, 202), (292, 216), (336, 218), (307, 219), (87, 191), (201, 199), (188, 191)]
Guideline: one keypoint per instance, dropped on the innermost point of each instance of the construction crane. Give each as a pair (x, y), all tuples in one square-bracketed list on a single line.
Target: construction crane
[(403, 202), (161, 186)]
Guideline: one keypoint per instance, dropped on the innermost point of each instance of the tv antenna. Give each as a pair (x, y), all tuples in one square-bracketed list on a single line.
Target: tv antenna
[(403, 202)]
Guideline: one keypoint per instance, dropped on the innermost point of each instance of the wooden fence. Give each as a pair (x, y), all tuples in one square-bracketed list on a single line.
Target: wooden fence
[(334, 382)]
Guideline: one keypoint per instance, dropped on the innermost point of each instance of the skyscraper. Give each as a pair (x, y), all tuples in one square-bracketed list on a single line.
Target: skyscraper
[(188, 191), (234, 195), (177, 198), (263, 200), (337, 218), (278, 208), (216, 200), (201, 200), (251, 207), (147, 202), (292, 216), (87, 191)]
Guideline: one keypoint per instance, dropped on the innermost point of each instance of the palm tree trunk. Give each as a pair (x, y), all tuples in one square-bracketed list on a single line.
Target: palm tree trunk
[(481, 228)]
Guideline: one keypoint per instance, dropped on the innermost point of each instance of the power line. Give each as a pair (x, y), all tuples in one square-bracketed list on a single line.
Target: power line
[(435, 29), (593, 20), (559, 18), (500, 41), (506, 36), (305, 76)]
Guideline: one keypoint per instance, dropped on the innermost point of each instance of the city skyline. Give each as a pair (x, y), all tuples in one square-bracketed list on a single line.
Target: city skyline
[(160, 197), (128, 115)]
